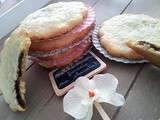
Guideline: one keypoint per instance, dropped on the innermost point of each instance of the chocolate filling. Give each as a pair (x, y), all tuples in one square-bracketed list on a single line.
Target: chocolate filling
[(20, 100), (149, 45)]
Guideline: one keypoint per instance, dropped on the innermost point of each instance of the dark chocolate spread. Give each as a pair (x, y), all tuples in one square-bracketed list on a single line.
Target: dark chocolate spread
[(149, 45), (20, 100)]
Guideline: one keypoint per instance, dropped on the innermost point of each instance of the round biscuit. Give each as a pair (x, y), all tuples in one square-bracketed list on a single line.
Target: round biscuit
[(54, 19), (117, 31)]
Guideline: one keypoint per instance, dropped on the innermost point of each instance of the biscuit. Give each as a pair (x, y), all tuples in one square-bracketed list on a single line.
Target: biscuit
[(63, 59), (45, 54), (54, 20), (61, 42), (148, 50), (12, 68), (115, 32), (70, 37)]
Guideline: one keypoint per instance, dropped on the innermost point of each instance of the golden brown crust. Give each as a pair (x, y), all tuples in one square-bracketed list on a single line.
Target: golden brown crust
[(62, 41), (54, 20), (59, 32), (117, 50), (67, 57)]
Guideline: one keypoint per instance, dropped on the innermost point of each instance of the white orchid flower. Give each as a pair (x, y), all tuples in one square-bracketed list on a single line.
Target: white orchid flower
[(78, 102)]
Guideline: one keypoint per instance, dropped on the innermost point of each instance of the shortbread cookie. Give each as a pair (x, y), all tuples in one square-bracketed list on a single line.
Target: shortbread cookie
[(63, 59), (115, 32), (54, 20), (70, 37), (54, 52), (149, 51), (12, 68), (60, 43)]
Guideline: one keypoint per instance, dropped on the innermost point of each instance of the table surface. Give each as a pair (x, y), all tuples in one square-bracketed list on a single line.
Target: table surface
[(139, 83)]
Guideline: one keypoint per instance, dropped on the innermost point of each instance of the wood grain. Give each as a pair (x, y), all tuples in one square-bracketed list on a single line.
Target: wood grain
[(106, 9), (143, 100), (148, 7), (8, 4), (87, 2)]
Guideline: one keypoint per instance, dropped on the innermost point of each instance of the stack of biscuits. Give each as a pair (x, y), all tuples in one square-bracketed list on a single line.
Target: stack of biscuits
[(54, 36), (60, 33)]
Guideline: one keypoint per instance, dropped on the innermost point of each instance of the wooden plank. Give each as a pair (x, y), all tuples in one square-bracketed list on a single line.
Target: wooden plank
[(106, 9), (143, 100), (126, 73), (148, 7), (7, 5), (87, 2), (12, 17)]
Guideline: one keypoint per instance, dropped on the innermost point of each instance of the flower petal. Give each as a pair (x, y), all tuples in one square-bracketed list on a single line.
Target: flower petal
[(105, 82), (117, 100), (103, 97), (82, 82), (106, 85), (82, 85), (89, 114), (75, 105)]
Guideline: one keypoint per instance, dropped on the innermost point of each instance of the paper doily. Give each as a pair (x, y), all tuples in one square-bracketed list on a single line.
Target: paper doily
[(96, 43)]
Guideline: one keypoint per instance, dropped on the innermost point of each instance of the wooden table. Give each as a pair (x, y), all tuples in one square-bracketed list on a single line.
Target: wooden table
[(139, 83)]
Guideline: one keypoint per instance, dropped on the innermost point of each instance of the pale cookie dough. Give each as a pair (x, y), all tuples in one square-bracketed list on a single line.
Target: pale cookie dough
[(54, 19), (115, 32), (12, 68)]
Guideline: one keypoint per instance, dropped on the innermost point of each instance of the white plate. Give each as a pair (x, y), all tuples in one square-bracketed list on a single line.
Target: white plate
[(98, 46)]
